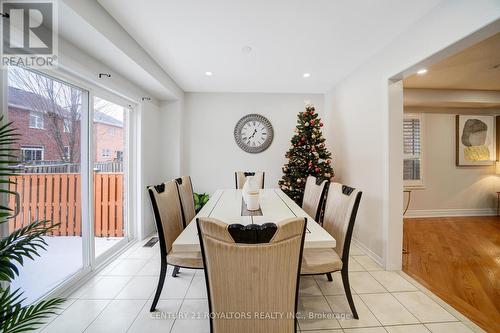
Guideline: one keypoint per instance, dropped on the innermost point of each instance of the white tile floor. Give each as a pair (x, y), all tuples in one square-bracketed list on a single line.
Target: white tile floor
[(118, 300)]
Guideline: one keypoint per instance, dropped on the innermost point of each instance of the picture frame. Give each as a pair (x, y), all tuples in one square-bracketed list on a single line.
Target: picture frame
[(475, 140)]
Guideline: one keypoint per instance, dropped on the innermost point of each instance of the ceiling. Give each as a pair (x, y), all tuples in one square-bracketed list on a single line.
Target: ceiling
[(76, 29), (475, 68), (328, 39)]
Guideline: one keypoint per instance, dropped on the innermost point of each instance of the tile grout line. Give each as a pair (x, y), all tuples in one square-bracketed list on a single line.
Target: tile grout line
[(109, 302), (114, 298), (384, 293), (44, 326), (183, 299), (374, 316), (138, 314), (357, 294), (425, 291), (383, 287), (436, 299), (418, 289)]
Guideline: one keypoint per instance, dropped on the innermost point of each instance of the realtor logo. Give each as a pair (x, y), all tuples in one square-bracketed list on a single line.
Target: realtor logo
[(29, 33)]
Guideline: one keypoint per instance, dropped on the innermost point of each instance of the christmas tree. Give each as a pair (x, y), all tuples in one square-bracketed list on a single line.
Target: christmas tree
[(307, 155)]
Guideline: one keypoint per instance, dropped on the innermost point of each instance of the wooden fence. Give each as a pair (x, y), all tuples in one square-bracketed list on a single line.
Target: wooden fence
[(57, 198)]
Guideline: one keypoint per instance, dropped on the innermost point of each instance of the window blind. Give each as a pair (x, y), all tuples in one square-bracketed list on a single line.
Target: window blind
[(411, 149)]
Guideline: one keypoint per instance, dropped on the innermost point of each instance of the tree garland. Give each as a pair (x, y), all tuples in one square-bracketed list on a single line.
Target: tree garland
[(307, 155)]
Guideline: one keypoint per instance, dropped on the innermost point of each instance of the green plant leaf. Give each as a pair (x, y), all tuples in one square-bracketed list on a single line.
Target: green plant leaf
[(200, 200), (22, 244), (16, 318)]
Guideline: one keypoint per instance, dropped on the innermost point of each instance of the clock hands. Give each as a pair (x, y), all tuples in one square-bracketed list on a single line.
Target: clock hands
[(254, 131)]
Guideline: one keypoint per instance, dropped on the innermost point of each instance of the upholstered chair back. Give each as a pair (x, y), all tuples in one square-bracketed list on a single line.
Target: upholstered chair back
[(185, 188), (167, 213), (252, 269), (340, 214), (240, 177), (313, 197)]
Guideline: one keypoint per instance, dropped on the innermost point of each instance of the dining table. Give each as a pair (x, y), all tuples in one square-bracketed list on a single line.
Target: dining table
[(228, 206)]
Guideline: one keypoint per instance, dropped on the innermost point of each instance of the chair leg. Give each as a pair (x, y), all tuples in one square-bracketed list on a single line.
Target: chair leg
[(161, 280), (175, 271), (329, 277), (347, 289)]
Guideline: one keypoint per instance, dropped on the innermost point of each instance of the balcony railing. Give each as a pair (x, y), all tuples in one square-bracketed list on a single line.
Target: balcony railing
[(56, 197), (59, 167)]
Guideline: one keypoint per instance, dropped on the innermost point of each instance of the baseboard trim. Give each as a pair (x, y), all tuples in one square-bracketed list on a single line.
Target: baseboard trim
[(369, 252), (450, 212)]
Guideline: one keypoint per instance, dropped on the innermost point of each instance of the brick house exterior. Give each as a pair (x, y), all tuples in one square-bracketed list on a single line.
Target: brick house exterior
[(40, 144), (109, 138)]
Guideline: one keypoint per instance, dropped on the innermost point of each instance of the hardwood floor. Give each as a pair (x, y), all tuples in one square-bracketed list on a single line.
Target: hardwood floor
[(458, 258)]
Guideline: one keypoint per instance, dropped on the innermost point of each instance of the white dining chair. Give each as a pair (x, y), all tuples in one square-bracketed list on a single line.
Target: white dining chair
[(314, 194), (252, 269), (240, 177), (169, 224), (185, 188), (341, 209)]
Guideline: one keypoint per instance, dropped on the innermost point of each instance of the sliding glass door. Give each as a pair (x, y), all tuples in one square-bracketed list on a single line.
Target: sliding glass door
[(71, 173), (47, 114), (109, 156)]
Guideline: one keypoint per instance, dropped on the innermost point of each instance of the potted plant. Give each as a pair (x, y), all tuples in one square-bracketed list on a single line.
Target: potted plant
[(23, 243), (200, 199)]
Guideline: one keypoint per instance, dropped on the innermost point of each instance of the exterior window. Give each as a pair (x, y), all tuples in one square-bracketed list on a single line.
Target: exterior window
[(111, 131), (32, 154), (67, 152), (412, 150), (106, 153), (119, 155), (36, 120), (67, 126)]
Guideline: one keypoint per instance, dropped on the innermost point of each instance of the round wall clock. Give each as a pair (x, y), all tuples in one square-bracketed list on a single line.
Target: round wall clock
[(253, 133)]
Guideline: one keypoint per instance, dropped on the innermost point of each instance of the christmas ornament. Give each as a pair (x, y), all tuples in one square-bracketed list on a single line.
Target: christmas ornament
[(306, 156)]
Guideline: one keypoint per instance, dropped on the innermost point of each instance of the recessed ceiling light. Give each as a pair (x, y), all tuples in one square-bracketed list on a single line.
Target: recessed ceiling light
[(208, 73), (246, 49), (306, 74), (422, 71)]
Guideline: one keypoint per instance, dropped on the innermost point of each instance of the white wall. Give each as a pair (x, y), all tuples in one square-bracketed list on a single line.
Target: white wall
[(151, 167), (151, 125), (211, 155), (171, 130), (448, 187), (361, 128)]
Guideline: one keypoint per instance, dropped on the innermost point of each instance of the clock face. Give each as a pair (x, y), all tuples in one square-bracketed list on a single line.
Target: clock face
[(253, 133)]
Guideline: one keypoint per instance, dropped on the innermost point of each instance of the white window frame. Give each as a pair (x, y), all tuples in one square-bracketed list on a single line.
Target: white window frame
[(132, 165), (39, 122), (32, 148), (417, 183), (67, 125), (67, 152)]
